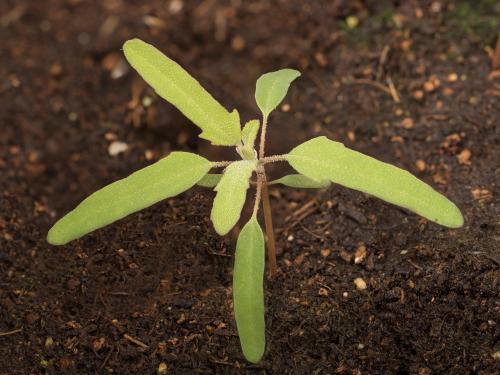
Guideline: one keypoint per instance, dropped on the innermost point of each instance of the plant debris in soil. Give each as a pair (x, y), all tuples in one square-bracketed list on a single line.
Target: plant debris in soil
[(364, 287)]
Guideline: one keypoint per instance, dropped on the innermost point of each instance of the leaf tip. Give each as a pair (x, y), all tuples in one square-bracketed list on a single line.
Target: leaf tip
[(254, 355), (456, 219), (55, 237)]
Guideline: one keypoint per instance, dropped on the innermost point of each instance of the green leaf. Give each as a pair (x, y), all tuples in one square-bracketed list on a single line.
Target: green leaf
[(321, 158), (168, 177), (231, 195), (249, 133), (248, 290), (272, 87), (210, 180), (178, 87), (300, 181)]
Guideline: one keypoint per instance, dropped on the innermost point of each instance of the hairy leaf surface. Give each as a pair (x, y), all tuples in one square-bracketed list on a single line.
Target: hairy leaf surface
[(168, 177), (249, 133), (301, 181), (231, 195), (248, 290), (321, 158), (272, 87), (210, 180), (178, 87)]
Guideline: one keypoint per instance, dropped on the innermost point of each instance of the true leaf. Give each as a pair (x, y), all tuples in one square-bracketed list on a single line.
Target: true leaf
[(300, 181), (248, 291), (210, 180), (321, 158), (231, 195), (272, 87), (168, 177), (178, 87), (249, 133)]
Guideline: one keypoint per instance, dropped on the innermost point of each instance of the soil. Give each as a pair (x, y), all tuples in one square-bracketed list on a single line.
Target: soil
[(153, 291)]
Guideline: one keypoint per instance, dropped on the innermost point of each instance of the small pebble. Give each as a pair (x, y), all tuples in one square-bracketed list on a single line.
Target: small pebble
[(360, 254), (147, 101), (453, 77), (117, 147), (407, 123), (321, 59), (49, 342), (238, 43), (323, 292), (175, 6), (429, 86), (418, 95), (162, 369), (448, 91), (360, 283), (464, 157), (420, 164), (352, 22)]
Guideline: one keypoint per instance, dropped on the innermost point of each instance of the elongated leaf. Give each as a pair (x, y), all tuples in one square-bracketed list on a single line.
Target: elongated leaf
[(178, 87), (249, 133), (248, 290), (300, 181), (168, 177), (321, 158), (210, 180), (272, 87), (231, 195)]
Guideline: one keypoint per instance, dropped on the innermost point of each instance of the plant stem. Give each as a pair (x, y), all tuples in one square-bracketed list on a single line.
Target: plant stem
[(258, 194), (274, 158), (262, 143), (218, 164), (268, 220), (266, 205)]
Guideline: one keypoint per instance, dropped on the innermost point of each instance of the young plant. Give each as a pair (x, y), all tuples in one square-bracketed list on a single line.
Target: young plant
[(319, 162)]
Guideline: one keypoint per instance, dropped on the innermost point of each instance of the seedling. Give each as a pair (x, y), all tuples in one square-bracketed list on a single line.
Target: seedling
[(319, 162)]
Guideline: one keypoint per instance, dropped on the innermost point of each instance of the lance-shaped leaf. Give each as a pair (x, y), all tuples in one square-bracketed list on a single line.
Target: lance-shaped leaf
[(178, 87), (249, 133), (300, 181), (272, 87), (210, 180), (231, 195), (321, 158), (248, 290), (168, 177)]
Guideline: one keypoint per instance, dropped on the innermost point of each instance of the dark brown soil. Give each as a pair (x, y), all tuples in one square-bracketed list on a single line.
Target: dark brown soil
[(156, 287)]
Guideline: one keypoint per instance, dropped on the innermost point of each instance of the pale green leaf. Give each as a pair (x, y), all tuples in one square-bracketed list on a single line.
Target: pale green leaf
[(168, 177), (248, 290), (231, 195), (178, 87), (249, 133), (210, 180), (321, 158), (272, 87), (300, 181)]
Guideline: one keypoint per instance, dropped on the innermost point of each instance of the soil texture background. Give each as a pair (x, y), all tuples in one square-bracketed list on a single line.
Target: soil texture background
[(409, 83)]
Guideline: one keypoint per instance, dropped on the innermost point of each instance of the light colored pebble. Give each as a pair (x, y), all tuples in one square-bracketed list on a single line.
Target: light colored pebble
[(360, 283), (117, 147)]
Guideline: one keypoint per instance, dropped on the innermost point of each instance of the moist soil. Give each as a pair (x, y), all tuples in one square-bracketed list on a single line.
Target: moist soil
[(406, 82)]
